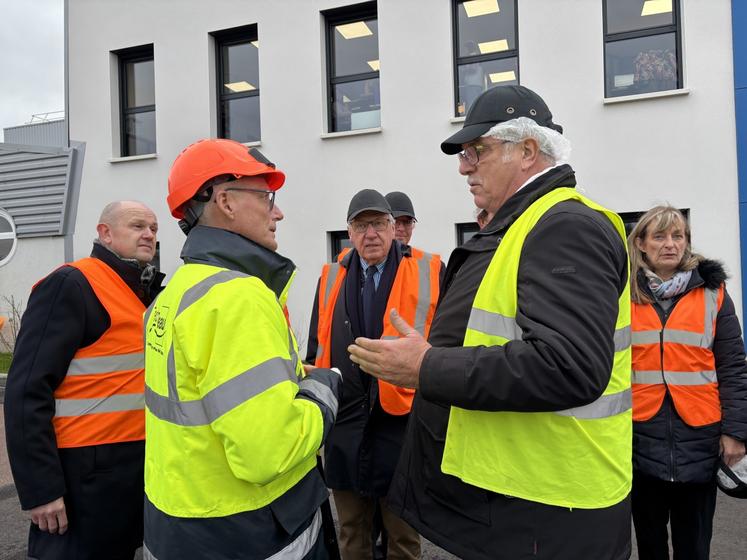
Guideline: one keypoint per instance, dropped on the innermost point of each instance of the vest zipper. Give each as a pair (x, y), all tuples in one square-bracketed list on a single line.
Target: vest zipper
[(670, 427)]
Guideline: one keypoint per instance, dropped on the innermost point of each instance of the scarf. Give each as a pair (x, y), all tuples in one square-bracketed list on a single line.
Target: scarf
[(668, 289)]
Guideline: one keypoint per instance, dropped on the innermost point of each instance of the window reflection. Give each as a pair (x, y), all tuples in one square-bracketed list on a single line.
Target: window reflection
[(632, 15), (485, 44)]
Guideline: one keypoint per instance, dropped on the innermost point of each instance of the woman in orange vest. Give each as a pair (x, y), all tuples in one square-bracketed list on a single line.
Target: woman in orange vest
[(689, 386)]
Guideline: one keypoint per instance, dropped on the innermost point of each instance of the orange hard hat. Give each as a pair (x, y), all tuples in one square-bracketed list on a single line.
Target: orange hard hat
[(209, 158)]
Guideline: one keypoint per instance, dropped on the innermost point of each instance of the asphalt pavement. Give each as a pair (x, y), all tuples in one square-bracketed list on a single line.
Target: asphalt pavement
[(729, 536)]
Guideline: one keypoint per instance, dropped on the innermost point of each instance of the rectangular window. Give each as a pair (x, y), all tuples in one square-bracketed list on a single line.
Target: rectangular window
[(641, 46), (353, 68), (237, 73), (486, 50), (338, 240), (465, 231), (630, 219), (137, 101)]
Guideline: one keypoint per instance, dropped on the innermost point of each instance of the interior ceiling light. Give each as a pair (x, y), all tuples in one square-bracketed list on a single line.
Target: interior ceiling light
[(345, 99), (256, 44), (354, 30), (475, 8), (238, 87), (493, 46), (497, 77), (653, 7), (374, 64)]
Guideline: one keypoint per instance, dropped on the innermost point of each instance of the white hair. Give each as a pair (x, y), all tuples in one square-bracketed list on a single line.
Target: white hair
[(551, 143)]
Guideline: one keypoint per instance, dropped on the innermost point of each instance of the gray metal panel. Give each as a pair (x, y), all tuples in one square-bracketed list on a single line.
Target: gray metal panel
[(53, 133), (34, 185)]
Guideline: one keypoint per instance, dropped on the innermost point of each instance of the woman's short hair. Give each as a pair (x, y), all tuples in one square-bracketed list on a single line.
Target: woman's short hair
[(658, 219)]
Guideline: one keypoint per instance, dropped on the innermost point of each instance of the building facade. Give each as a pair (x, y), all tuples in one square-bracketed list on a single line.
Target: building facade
[(347, 96)]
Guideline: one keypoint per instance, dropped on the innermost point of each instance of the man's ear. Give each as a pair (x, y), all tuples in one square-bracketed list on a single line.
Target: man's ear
[(530, 151), (105, 233), (223, 202)]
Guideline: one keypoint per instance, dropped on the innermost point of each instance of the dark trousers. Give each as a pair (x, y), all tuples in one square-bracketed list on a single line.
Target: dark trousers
[(104, 505), (687, 507)]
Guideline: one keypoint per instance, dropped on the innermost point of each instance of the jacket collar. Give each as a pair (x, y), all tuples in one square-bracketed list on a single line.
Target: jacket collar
[(144, 281), (226, 249)]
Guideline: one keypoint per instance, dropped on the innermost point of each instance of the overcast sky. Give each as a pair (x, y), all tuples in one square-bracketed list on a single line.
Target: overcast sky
[(31, 59)]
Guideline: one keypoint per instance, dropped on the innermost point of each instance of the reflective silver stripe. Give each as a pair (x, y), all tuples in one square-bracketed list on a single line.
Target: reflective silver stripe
[(686, 337), (711, 311), (604, 407), (292, 352), (673, 377), (171, 374), (106, 364), (646, 337), (493, 324), (113, 403), (424, 293), (304, 542), (622, 339), (690, 377), (223, 398), (321, 392), (334, 270), (319, 351)]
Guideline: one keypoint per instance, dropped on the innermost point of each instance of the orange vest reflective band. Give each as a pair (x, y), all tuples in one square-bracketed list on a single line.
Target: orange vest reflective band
[(414, 293), (679, 357), (101, 398)]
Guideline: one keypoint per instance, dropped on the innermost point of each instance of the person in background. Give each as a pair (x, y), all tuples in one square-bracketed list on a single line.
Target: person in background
[(74, 418), (519, 444), (404, 216), (352, 298), (689, 386), (232, 425)]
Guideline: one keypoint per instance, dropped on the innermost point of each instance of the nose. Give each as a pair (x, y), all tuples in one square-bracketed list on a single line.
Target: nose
[(149, 234), (465, 167), (277, 214)]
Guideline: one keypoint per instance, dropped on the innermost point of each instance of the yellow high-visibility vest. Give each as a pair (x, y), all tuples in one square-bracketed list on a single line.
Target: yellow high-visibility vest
[(576, 458), (224, 431)]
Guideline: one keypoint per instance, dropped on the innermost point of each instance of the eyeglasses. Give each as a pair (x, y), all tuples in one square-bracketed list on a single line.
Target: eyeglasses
[(471, 154), (269, 196), (362, 227), (406, 223)]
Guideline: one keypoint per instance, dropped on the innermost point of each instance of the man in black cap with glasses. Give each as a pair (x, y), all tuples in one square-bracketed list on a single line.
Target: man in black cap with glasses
[(353, 297), (520, 441)]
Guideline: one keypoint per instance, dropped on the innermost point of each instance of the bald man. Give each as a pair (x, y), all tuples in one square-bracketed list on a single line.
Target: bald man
[(74, 415)]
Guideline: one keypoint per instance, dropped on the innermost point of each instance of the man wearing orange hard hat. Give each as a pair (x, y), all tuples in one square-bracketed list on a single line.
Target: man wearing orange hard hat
[(232, 424)]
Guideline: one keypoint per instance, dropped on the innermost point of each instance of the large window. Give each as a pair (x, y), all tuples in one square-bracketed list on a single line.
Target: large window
[(641, 46), (237, 72), (486, 51), (137, 100), (353, 68), (338, 240)]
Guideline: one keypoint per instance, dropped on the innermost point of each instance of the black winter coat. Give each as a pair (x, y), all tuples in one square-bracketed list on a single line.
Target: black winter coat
[(362, 449), (573, 269), (666, 448)]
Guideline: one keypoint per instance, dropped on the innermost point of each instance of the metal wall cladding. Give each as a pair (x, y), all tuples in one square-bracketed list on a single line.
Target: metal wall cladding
[(51, 133), (34, 184)]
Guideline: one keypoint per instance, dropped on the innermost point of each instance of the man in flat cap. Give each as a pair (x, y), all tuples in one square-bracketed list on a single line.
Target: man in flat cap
[(353, 297), (520, 441)]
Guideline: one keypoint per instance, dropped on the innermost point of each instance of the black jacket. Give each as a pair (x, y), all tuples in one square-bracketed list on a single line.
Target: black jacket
[(573, 269), (362, 449), (666, 448), (63, 314)]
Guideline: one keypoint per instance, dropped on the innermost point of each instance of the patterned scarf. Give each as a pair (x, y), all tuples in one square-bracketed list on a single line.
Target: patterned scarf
[(669, 288)]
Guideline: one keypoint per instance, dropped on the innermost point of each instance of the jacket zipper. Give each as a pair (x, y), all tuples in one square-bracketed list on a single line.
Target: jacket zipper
[(670, 427)]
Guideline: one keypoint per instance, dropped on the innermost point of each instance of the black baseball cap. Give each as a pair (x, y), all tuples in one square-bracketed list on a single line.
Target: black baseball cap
[(367, 199), (495, 105), (400, 204)]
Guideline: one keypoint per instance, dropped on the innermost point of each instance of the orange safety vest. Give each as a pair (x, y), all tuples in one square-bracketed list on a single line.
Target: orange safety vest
[(101, 398), (414, 293), (678, 357)]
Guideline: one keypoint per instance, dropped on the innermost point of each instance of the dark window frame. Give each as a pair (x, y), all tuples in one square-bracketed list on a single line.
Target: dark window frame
[(229, 37), (458, 61), (124, 57), (630, 219), (646, 32), (336, 239), (338, 16)]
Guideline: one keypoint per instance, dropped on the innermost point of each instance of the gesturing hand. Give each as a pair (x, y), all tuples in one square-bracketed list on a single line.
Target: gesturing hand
[(395, 361)]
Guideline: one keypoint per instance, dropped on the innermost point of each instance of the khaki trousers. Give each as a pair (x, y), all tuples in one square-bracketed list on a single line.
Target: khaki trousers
[(355, 514)]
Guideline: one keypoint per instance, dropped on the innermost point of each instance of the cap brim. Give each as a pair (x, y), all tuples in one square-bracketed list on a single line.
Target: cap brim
[(453, 144), (398, 214), (370, 208)]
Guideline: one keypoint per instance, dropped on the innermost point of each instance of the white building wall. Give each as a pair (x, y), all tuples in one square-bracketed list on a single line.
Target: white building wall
[(629, 156)]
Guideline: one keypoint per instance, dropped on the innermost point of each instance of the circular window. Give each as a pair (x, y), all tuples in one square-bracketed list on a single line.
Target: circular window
[(8, 240)]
